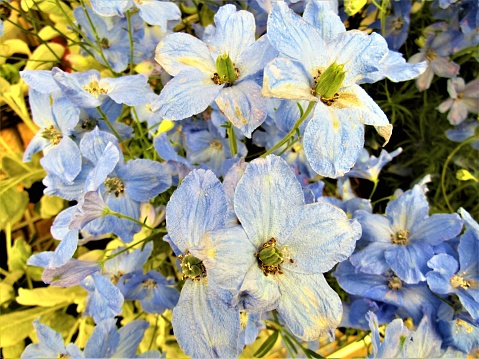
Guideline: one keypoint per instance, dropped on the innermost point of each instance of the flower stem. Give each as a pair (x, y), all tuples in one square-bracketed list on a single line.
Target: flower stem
[(232, 139), (444, 168), (117, 135), (291, 133), (130, 36)]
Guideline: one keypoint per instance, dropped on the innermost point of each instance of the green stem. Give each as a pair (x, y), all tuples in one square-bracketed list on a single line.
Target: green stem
[(444, 169), (154, 333), (374, 188), (117, 135), (97, 38), (292, 132), (123, 216), (232, 139), (130, 36)]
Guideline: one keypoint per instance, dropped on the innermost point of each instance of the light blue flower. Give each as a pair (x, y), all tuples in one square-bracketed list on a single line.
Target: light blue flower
[(403, 240), (334, 136), (153, 12), (271, 261), (463, 131), (50, 345), (198, 80), (204, 324), (464, 99), (369, 167)]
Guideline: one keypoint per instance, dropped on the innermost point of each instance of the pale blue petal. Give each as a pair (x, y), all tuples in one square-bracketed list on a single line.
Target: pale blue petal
[(396, 69), (103, 340), (243, 105), (72, 88), (66, 115), (70, 274), (130, 337), (94, 144), (65, 250), (105, 165), (63, 160), (204, 325), (123, 228), (235, 32), (37, 144), (367, 109), (40, 104), (188, 94), (255, 58), (333, 140), (130, 90), (265, 199), (284, 78), (323, 237), (410, 262), (409, 208), (360, 53), (40, 80), (436, 229), (179, 52), (158, 12), (106, 301), (376, 228), (371, 259), (40, 259), (259, 293), (109, 8), (308, 305), (88, 209), (227, 255), (48, 337), (295, 38), (443, 268), (144, 179), (230, 181), (324, 19), (198, 205)]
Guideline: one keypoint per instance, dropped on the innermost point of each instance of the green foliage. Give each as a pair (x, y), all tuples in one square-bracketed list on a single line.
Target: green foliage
[(50, 296), (18, 255), (49, 206)]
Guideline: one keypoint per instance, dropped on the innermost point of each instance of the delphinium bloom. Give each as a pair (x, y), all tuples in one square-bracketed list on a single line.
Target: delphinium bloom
[(204, 325), (222, 70), (460, 331), (397, 24), (276, 257), (153, 12), (404, 238), (50, 345), (464, 99), (400, 342), (436, 52), (450, 276), (463, 131), (323, 65), (369, 167)]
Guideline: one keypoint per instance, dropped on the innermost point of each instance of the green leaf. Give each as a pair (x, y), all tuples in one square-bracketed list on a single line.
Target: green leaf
[(16, 326), (24, 173), (13, 277), (206, 15), (60, 322), (13, 203), (6, 293), (312, 353), (43, 58), (49, 206), (14, 351), (50, 296), (267, 345), (351, 7), (17, 258), (465, 175)]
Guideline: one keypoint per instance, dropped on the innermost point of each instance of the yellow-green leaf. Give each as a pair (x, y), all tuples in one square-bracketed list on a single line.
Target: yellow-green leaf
[(14, 351), (44, 57), (16, 326), (351, 7), (17, 258), (50, 206), (50, 296), (465, 175), (6, 293)]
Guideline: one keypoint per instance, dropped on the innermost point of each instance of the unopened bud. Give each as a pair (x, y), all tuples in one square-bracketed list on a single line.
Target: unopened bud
[(330, 81)]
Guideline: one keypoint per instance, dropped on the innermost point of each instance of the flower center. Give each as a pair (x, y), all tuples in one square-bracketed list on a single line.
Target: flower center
[(149, 283), (462, 323), (270, 257), (52, 134), (401, 237), (457, 281), (216, 144), (226, 72), (397, 24), (104, 43), (328, 83), (94, 88), (114, 184), (394, 283), (115, 278), (192, 267), (430, 55)]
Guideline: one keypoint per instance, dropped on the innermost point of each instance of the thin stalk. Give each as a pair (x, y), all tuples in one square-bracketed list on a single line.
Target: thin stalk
[(232, 139), (130, 36), (117, 135), (444, 169), (292, 132), (124, 216), (154, 333), (374, 188)]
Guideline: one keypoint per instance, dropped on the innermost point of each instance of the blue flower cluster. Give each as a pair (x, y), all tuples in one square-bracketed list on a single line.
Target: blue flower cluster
[(261, 239)]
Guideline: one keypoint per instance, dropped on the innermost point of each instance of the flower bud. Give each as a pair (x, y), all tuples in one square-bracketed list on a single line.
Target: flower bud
[(271, 256), (330, 81), (225, 69)]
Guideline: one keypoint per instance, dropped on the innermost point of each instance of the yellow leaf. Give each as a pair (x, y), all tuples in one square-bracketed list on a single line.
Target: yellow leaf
[(43, 58)]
